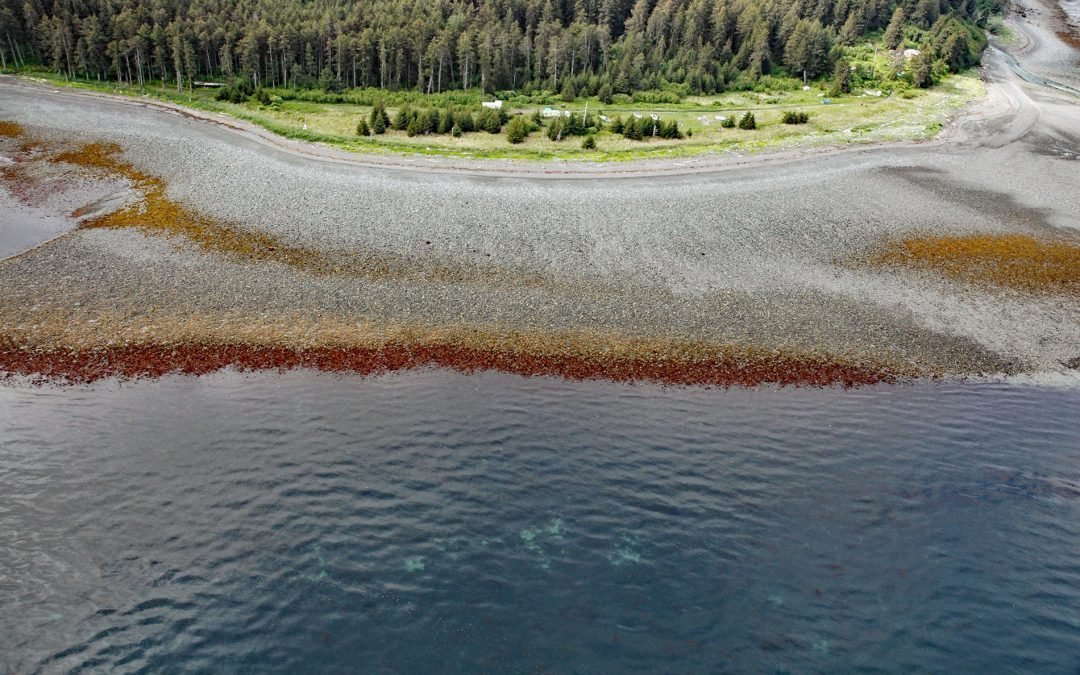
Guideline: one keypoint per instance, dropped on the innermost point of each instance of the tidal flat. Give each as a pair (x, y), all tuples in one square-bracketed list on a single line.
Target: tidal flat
[(851, 267), (190, 243)]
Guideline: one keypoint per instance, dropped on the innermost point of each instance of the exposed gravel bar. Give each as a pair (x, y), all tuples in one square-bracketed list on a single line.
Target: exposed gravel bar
[(196, 247)]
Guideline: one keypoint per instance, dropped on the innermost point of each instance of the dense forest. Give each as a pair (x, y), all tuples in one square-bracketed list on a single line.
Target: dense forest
[(575, 47)]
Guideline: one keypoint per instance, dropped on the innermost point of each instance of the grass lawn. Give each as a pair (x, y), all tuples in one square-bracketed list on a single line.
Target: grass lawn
[(857, 118)]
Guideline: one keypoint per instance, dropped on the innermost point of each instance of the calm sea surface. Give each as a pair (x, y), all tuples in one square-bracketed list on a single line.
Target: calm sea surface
[(436, 522)]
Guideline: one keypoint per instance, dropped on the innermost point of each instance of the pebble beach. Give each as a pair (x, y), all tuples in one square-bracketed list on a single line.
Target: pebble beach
[(170, 243)]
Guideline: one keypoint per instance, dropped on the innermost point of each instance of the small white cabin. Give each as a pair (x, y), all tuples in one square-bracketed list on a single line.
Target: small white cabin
[(494, 105)]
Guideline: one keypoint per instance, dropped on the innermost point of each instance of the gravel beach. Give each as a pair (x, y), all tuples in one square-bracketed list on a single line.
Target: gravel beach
[(724, 259)]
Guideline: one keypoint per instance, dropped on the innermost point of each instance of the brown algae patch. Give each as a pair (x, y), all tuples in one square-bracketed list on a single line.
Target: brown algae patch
[(527, 355), (66, 345), (155, 213), (1014, 261), (10, 129)]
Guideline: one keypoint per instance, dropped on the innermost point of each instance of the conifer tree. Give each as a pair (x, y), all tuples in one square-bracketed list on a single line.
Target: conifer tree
[(402, 118), (605, 94), (841, 82), (576, 47), (894, 31), (921, 71), (379, 120), (518, 129)]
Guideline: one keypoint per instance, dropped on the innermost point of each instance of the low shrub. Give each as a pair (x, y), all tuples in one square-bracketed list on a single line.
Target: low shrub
[(562, 127), (654, 96), (794, 117), (237, 91), (640, 128), (518, 129)]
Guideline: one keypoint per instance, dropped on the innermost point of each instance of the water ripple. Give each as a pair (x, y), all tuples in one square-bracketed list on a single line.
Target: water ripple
[(434, 521)]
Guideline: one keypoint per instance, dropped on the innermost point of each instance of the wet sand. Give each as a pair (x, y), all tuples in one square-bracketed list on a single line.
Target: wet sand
[(197, 246)]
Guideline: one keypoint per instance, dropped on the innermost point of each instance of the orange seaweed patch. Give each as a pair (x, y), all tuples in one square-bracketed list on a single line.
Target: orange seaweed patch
[(157, 213), (1017, 261), (10, 129), (151, 360), (1069, 38), (100, 156)]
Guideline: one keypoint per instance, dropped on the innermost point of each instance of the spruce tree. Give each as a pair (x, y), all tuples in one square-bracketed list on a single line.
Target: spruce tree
[(446, 121), (605, 93), (894, 31), (921, 72), (841, 82), (379, 120), (463, 119), (403, 117), (595, 47), (518, 129), (569, 91), (557, 129)]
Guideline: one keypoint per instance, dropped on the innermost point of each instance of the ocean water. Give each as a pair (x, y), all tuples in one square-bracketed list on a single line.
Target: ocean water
[(438, 522)]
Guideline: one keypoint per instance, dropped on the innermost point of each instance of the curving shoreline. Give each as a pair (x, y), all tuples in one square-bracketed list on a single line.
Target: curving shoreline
[(506, 168), (205, 248)]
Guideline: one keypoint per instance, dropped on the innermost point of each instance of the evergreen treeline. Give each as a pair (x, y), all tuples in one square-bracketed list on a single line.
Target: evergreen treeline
[(574, 47)]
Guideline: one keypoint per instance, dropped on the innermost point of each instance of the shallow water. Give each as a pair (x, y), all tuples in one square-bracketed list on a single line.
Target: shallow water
[(22, 228), (436, 522)]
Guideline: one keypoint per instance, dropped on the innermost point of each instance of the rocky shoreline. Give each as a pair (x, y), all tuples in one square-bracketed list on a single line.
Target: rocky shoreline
[(197, 248)]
